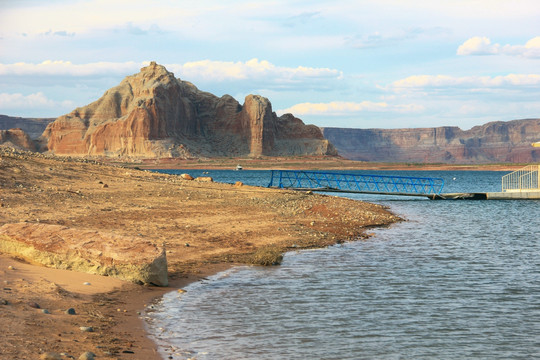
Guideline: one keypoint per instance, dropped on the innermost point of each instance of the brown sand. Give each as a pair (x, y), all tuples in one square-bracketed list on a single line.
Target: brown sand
[(205, 227)]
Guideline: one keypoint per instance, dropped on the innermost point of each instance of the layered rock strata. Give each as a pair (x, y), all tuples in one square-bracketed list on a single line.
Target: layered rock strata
[(153, 114), (34, 127), (87, 251), (494, 142)]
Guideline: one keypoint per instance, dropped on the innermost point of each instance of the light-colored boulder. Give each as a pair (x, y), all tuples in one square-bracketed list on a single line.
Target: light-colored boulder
[(87, 251), (186, 177), (204, 179)]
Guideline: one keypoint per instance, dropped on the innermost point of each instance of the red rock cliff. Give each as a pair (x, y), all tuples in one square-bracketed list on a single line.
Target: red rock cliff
[(490, 143), (153, 114)]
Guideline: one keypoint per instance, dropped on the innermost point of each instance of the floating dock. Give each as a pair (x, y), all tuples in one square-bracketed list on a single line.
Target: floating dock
[(519, 185), (525, 195)]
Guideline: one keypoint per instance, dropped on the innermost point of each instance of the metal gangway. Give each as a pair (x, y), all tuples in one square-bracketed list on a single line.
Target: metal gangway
[(356, 183)]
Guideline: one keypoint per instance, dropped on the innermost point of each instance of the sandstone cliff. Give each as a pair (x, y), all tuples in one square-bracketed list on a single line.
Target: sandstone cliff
[(17, 138), (153, 114), (490, 143), (34, 127)]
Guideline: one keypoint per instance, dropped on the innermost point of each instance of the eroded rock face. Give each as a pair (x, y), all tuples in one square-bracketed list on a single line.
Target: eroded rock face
[(86, 251), (153, 114), (490, 143), (17, 138), (34, 127)]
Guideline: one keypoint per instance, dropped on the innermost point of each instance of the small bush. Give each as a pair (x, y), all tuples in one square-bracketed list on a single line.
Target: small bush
[(267, 256)]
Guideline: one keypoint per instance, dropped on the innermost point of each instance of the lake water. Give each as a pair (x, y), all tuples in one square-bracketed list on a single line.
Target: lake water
[(458, 280)]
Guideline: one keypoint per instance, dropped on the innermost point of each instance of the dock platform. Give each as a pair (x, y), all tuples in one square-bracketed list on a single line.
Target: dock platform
[(525, 195), (519, 185)]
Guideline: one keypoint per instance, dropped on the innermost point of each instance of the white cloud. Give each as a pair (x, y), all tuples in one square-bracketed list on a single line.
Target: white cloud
[(250, 70), (67, 68), (340, 108), (37, 100), (442, 81), (483, 46), (478, 46), (260, 73)]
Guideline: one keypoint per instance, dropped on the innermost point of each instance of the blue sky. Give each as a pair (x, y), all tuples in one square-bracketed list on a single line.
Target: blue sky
[(343, 63)]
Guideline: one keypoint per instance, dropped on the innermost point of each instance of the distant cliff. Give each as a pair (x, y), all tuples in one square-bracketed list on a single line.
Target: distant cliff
[(490, 143), (34, 127), (17, 138), (152, 114)]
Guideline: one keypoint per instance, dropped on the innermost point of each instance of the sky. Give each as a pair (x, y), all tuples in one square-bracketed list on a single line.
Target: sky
[(336, 63)]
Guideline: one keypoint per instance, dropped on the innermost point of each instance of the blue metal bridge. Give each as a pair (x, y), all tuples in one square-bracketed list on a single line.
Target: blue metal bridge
[(356, 183)]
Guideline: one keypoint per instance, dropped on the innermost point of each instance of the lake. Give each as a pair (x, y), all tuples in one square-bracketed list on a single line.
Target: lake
[(458, 280)]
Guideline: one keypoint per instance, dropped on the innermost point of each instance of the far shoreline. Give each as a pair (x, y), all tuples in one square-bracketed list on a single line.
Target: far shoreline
[(305, 163)]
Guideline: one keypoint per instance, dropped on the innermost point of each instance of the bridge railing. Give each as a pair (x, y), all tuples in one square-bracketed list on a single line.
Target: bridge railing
[(525, 179), (334, 181)]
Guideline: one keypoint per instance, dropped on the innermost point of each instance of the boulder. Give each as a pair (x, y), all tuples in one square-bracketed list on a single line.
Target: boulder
[(204, 179), (88, 251)]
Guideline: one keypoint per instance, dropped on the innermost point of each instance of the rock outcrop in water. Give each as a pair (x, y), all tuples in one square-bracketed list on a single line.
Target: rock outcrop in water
[(152, 114), (508, 142)]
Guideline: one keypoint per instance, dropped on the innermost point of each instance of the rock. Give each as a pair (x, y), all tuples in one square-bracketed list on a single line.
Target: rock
[(86, 283), (94, 252), (238, 184), (71, 311), (153, 114), (186, 177), (17, 138), (494, 142), (45, 311), (86, 329), (34, 127), (50, 356), (4, 302), (11, 267), (87, 356), (34, 305), (105, 186), (204, 179)]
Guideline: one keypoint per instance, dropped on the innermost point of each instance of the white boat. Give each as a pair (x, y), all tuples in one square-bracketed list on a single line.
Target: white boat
[(239, 167)]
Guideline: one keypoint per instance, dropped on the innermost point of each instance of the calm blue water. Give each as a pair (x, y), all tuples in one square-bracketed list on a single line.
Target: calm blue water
[(458, 280)]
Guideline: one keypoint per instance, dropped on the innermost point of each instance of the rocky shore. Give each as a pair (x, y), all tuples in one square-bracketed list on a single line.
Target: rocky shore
[(86, 216)]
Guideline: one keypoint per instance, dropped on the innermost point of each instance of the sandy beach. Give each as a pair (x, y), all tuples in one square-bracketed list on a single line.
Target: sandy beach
[(205, 227)]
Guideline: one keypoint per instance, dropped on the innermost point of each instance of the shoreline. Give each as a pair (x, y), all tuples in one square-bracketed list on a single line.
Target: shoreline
[(307, 163), (126, 316), (205, 227)]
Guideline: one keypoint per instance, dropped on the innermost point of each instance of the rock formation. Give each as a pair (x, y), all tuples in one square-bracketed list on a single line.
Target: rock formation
[(494, 142), (86, 251), (153, 114), (34, 127), (17, 138)]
